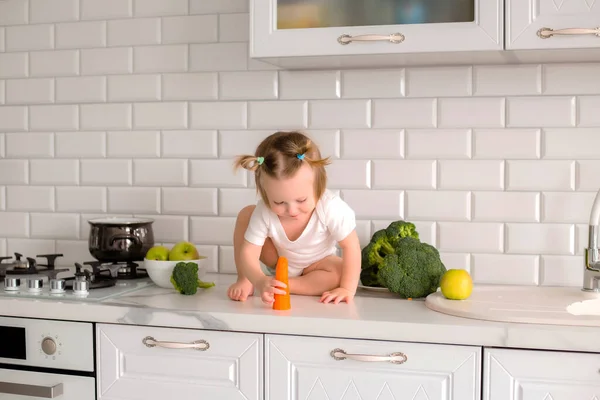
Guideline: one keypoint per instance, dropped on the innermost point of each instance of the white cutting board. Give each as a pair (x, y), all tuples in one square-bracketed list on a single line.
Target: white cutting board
[(531, 304)]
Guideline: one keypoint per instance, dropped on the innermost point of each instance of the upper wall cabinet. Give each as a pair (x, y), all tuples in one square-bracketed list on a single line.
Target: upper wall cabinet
[(301, 28), (552, 24)]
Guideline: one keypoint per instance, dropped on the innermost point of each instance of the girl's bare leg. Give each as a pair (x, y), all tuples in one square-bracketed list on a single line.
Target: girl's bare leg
[(319, 277), (242, 288)]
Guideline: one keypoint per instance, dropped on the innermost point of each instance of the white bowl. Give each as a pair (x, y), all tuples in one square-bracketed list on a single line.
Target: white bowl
[(160, 271)]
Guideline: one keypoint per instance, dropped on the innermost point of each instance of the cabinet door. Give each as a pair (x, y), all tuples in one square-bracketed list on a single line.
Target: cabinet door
[(225, 365), (305, 368), (284, 28), (540, 375), (525, 18)]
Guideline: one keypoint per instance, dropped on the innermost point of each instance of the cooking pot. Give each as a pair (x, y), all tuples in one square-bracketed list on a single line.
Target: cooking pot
[(120, 239)]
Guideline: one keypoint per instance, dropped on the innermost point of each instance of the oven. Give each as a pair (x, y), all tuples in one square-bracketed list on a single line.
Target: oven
[(46, 359)]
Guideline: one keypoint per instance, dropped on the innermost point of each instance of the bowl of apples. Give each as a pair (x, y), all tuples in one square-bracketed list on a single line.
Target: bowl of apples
[(160, 261)]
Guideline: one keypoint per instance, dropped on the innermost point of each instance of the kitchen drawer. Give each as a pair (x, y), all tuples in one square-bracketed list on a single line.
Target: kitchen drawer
[(229, 367), (511, 374), (28, 383), (299, 367)]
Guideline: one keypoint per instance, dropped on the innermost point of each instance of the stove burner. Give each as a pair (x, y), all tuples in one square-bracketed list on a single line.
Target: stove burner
[(30, 266)]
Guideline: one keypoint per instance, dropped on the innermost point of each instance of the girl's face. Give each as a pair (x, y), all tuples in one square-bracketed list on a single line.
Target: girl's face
[(294, 197)]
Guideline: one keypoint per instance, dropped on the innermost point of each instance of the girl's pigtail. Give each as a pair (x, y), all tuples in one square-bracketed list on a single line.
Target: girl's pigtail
[(248, 162), (309, 148)]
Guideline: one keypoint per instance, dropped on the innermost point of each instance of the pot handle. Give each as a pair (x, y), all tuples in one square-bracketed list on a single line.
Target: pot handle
[(125, 237)]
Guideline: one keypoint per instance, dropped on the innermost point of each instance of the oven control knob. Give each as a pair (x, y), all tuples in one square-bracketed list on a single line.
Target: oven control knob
[(49, 346)]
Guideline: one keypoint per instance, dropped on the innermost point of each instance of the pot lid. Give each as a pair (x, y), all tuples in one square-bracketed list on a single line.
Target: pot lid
[(120, 221)]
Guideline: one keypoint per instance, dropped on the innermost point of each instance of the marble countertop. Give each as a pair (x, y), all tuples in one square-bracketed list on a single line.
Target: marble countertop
[(372, 315)]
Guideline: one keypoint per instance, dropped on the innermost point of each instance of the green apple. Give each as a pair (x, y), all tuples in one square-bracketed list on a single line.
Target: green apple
[(160, 253), (184, 251)]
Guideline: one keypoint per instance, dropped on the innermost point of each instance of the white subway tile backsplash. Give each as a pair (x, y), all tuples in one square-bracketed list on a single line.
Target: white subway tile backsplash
[(189, 144), (80, 144), (54, 63), (588, 177), (73, 251), (480, 174), (404, 113), (165, 58), (117, 60), (34, 246), (14, 172), (507, 143), (373, 83), (540, 175), (53, 10), (404, 174), (587, 111), (309, 85), (105, 116), (106, 9), (438, 143), (278, 114), (331, 114), (251, 85), (438, 205), (29, 37), (571, 78), (160, 172), (133, 32), (169, 228), (456, 261), (218, 6), (29, 91), (505, 269), (14, 12), (474, 112), (133, 200), (80, 35), (234, 27), (14, 65), (352, 174), (571, 143), (218, 115), (231, 201), (546, 238), (189, 201), (564, 207), (474, 237), (30, 198), (54, 172), (131, 144), (143, 87), (506, 206), (210, 173), (144, 8), (234, 143), (502, 80), (29, 145), (53, 118), (55, 226), (375, 203), (171, 115), (13, 118), (190, 29), (438, 81), (534, 112), (359, 143), (14, 225), (106, 172), (219, 57), (212, 230), (2, 39), (190, 86), (86, 89), (561, 271), (81, 199)]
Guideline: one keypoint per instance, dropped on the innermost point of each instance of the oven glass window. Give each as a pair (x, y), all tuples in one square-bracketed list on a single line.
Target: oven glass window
[(13, 343)]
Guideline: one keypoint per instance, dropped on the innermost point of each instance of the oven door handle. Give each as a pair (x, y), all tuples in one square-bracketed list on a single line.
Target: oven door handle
[(46, 392)]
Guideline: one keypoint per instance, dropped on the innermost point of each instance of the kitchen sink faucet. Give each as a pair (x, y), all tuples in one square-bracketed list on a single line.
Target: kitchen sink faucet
[(591, 273)]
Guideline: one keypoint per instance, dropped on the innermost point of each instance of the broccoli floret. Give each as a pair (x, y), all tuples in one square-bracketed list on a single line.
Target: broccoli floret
[(378, 248), (368, 276), (185, 278), (413, 271), (400, 229)]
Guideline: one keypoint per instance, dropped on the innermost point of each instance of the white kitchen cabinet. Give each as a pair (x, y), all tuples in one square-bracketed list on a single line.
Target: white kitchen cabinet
[(298, 367), (307, 28), (524, 18), (226, 365), (540, 375)]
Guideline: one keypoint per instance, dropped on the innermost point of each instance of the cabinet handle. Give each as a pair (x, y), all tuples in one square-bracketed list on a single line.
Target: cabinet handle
[(46, 392), (393, 38), (546, 33), (394, 358), (201, 345)]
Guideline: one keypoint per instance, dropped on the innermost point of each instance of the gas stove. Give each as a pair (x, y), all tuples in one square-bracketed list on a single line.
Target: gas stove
[(87, 281)]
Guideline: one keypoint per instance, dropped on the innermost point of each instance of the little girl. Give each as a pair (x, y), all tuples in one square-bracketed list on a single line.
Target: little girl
[(296, 217)]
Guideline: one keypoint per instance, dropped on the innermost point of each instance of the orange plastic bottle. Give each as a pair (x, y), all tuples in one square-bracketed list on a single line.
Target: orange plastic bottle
[(282, 301)]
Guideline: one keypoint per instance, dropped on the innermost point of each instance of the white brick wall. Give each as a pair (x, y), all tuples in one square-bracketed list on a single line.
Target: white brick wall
[(137, 107)]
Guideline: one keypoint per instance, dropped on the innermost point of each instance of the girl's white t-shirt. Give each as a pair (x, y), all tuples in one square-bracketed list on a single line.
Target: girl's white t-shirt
[(331, 222)]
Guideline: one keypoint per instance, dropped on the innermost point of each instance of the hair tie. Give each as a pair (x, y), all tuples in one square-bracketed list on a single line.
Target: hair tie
[(260, 160), (300, 156)]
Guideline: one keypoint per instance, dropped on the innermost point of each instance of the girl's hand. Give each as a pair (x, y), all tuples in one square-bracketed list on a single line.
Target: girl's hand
[(268, 287), (337, 295)]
